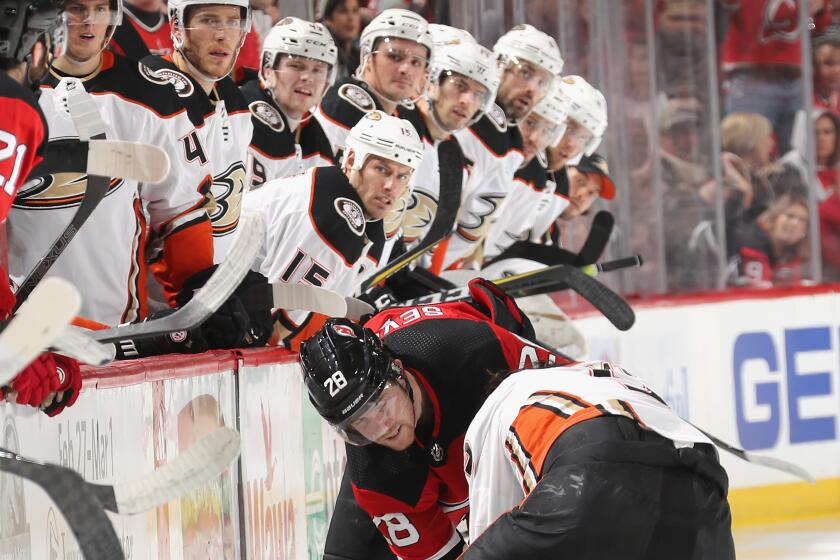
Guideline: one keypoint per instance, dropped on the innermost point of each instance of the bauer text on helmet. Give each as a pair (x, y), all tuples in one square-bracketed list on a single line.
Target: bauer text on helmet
[(209, 33)]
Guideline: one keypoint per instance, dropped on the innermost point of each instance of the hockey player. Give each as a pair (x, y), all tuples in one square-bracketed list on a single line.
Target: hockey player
[(207, 37), (322, 223), (403, 405), (298, 66), (541, 128), (396, 48), (462, 85), (530, 60), (50, 381), (106, 260), (586, 461)]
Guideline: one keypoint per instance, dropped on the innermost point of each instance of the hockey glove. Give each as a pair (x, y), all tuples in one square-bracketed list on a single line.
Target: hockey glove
[(37, 381), (70, 385)]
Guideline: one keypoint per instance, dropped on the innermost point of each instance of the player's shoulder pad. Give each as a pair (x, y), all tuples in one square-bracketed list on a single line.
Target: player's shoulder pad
[(357, 96), (534, 173), (497, 116), (347, 102), (386, 474), (498, 140), (267, 114), (192, 96), (314, 141), (230, 93), (416, 119), (337, 212)]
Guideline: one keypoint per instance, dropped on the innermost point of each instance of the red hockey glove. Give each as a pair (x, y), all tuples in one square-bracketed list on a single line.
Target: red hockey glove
[(38, 380), (70, 384)]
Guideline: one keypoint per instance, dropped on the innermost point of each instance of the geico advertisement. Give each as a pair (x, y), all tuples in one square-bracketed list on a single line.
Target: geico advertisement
[(763, 374)]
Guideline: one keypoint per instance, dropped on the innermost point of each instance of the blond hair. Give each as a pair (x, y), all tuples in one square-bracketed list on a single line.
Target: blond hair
[(741, 132)]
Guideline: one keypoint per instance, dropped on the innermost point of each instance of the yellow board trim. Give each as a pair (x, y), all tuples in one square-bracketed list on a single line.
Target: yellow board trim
[(782, 502)]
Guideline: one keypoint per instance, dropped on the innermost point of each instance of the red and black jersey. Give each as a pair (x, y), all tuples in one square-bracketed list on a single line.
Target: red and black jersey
[(417, 497), (762, 32), (23, 136), (142, 33)]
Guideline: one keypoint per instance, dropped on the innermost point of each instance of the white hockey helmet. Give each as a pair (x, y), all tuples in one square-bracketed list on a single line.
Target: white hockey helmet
[(391, 138), (587, 106), (114, 21), (554, 107), (446, 34), (526, 42), (177, 15), (468, 59), (297, 37), (398, 24)]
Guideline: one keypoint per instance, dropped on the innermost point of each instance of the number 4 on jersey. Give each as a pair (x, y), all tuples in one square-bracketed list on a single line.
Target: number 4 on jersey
[(193, 150)]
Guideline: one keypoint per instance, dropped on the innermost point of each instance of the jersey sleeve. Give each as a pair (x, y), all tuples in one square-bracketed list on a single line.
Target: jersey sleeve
[(176, 205), (22, 136)]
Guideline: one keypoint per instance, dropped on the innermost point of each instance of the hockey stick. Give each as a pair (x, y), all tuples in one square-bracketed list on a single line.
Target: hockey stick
[(538, 281), (596, 241), (52, 306), (307, 297), (77, 503), (89, 125), (197, 466), (76, 343), (210, 297), (451, 164), (769, 462), (107, 158)]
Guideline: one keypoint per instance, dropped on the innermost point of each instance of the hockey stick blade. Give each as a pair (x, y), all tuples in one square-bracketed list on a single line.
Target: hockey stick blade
[(596, 241), (356, 308), (200, 464), (451, 164), (218, 288), (76, 343), (309, 298), (33, 328), (89, 125), (769, 462), (77, 503), (108, 158)]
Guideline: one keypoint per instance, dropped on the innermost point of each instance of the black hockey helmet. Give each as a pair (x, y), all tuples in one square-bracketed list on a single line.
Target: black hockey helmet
[(345, 368), (23, 23)]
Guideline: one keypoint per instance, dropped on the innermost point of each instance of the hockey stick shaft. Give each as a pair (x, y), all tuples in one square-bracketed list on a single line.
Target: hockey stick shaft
[(596, 241), (217, 289), (769, 462), (451, 164), (77, 503), (89, 125)]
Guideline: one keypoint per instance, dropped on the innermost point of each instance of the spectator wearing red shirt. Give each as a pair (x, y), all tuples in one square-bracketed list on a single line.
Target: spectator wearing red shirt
[(762, 60)]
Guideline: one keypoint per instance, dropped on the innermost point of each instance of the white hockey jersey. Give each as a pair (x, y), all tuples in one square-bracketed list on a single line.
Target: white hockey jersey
[(275, 150), (106, 261), (494, 149), (509, 438), (552, 207), (528, 196), (316, 232), (342, 107)]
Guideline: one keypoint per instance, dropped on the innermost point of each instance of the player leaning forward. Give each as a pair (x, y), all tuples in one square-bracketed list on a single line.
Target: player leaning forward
[(403, 404), (106, 260), (586, 461), (322, 223)]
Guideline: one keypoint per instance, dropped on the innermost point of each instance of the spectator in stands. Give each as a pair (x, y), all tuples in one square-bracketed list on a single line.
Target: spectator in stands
[(830, 237), (683, 160), (771, 251), (826, 54), (144, 30), (682, 48), (762, 60), (343, 19), (750, 137), (827, 131)]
